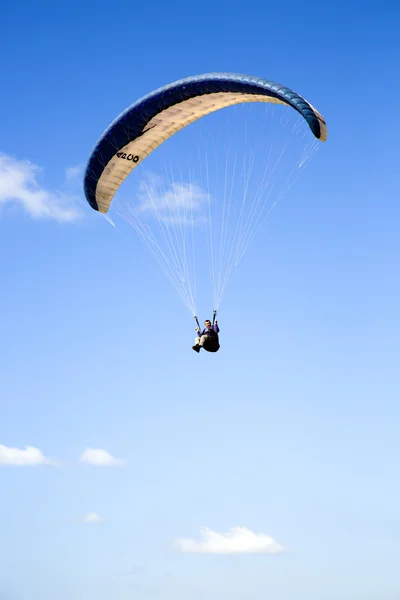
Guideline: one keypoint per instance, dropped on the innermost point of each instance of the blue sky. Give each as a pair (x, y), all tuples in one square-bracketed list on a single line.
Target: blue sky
[(291, 430)]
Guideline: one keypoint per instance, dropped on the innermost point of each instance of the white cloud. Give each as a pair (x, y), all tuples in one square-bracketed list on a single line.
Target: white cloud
[(239, 540), (176, 204), (29, 457), (99, 458), (19, 185), (92, 518), (72, 173)]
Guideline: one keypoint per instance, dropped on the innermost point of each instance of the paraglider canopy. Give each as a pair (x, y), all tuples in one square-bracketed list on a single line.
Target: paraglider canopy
[(155, 117), (167, 215)]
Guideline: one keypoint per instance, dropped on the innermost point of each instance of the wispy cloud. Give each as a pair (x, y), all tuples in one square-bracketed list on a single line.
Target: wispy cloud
[(72, 173), (100, 458), (239, 540), (92, 517), (174, 203), (19, 185), (29, 457)]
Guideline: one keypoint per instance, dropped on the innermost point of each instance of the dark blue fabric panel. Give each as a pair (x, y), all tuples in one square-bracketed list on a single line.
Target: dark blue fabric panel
[(130, 124)]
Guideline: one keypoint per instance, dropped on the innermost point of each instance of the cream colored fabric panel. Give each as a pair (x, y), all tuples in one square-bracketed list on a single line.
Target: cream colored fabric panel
[(160, 128)]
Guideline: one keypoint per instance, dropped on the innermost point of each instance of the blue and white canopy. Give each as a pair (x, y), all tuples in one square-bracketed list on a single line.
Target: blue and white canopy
[(150, 121)]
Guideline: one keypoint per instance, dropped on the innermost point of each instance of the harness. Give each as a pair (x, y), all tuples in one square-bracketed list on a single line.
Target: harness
[(211, 343)]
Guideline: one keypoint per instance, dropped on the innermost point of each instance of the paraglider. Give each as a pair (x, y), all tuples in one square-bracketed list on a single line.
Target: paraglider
[(208, 338), (169, 217)]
